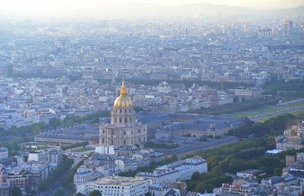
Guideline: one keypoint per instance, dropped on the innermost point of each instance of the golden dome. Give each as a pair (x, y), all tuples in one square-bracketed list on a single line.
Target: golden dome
[(123, 100)]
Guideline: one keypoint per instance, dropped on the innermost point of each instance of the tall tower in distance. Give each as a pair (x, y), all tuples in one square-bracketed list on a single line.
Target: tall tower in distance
[(123, 129)]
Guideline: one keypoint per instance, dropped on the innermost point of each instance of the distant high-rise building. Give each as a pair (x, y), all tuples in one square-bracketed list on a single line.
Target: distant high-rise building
[(124, 129), (287, 27)]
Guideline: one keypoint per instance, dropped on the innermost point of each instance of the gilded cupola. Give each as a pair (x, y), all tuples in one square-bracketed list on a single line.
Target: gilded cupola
[(123, 100)]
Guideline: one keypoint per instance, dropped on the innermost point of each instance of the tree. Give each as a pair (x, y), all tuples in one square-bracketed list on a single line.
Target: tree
[(195, 176), (60, 192), (36, 129), (79, 194), (95, 193), (16, 191), (200, 188)]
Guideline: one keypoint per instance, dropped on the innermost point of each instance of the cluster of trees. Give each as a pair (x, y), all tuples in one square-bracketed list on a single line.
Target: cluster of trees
[(203, 139), (273, 126), (69, 146), (54, 123), (60, 192), (59, 171), (236, 107), (68, 180), (92, 193), (244, 154), (189, 83), (231, 158), (160, 145), (207, 181), (290, 89), (11, 137), (152, 166), (16, 191)]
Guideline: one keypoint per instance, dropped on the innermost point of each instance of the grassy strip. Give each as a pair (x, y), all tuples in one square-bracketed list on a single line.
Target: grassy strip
[(299, 112), (69, 146), (299, 103), (82, 149), (236, 107)]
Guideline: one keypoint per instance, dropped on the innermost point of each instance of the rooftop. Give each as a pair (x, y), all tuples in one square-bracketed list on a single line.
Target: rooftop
[(118, 180)]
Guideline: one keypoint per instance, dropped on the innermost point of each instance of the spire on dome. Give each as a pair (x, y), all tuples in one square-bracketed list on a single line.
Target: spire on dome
[(123, 90)]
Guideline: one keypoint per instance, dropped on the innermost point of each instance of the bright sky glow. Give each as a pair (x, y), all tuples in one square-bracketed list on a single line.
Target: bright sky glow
[(96, 7)]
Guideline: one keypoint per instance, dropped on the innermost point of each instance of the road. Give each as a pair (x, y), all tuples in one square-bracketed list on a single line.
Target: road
[(58, 185), (55, 187)]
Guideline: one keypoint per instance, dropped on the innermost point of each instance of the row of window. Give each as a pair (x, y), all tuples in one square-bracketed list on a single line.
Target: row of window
[(120, 110), (125, 133), (121, 119), (124, 141)]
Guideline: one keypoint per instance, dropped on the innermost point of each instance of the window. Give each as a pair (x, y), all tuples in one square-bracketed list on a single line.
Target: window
[(130, 119), (125, 110), (125, 133), (120, 120), (116, 120), (103, 140), (126, 120), (120, 110), (124, 142), (138, 130), (103, 131)]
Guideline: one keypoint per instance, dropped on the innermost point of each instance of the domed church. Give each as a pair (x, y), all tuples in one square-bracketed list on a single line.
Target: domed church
[(123, 129)]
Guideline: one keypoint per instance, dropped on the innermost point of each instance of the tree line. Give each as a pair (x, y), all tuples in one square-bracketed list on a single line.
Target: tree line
[(248, 153)]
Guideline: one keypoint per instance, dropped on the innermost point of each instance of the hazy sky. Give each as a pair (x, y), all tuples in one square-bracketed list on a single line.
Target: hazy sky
[(96, 7)]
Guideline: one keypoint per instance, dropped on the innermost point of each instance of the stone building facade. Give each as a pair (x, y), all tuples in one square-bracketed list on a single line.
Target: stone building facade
[(293, 138), (123, 129)]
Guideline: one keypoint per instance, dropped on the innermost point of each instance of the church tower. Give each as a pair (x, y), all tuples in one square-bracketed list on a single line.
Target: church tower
[(123, 129)]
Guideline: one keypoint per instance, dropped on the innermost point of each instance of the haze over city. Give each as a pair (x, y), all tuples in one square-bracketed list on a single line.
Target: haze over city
[(127, 8), (142, 97)]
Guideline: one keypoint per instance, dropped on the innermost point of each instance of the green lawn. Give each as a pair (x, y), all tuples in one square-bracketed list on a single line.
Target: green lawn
[(266, 118), (293, 113), (266, 109), (297, 112), (245, 114), (257, 111), (294, 104), (82, 149)]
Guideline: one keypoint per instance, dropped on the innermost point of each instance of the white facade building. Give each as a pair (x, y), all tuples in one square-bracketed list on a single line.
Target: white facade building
[(117, 185), (105, 150), (180, 170), (85, 175), (3, 153)]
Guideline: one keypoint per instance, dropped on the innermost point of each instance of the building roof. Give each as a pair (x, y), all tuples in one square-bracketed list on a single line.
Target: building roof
[(123, 100), (118, 180)]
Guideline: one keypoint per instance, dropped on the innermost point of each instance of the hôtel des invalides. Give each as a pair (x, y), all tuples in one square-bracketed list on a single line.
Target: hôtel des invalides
[(123, 129)]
